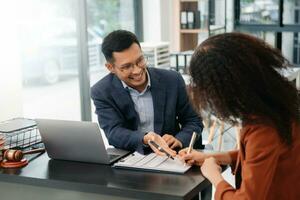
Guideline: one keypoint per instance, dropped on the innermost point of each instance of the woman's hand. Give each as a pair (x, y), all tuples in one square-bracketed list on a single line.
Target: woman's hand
[(212, 171), (193, 158)]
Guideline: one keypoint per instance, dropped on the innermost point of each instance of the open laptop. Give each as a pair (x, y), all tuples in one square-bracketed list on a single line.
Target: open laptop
[(76, 141)]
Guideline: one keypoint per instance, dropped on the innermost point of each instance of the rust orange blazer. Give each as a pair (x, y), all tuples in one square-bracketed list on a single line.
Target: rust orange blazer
[(268, 168)]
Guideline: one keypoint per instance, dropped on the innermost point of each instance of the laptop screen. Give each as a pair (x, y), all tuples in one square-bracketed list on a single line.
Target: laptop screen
[(74, 140)]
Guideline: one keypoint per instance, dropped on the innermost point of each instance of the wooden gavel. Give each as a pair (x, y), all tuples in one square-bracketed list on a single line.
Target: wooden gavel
[(13, 155)]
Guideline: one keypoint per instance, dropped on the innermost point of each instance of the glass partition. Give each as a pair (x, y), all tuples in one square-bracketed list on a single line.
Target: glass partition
[(47, 38), (105, 16), (259, 12), (291, 12)]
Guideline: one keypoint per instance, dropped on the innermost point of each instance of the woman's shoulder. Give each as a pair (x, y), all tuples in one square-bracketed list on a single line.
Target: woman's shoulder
[(264, 133)]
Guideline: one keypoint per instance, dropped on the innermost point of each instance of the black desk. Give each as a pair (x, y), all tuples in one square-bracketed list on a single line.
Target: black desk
[(100, 181)]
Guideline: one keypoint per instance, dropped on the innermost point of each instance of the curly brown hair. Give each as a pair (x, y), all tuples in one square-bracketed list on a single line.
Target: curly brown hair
[(236, 77)]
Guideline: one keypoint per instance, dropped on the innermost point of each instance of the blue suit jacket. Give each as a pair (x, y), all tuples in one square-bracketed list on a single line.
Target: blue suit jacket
[(173, 113)]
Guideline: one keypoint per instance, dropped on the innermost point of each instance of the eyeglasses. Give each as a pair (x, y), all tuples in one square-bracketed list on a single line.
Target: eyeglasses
[(141, 63)]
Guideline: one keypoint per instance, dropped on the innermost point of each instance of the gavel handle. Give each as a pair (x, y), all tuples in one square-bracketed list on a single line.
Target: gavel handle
[(34, 151)]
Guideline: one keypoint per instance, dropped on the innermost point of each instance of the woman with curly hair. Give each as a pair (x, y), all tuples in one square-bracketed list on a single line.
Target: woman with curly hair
[(236, 77)]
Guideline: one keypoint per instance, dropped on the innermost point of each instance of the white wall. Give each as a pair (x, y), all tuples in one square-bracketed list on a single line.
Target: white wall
[(157, 20), (10, 71), (151, 20), (166, 19)]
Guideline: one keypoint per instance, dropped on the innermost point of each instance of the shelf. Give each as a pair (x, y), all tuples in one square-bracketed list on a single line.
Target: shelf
[(157, 53), (188, 0), (193, 30), (216, 27), (210, 22)]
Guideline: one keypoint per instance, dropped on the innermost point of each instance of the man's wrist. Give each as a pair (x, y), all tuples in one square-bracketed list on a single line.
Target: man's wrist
[(180, 144), (145, 139), (179, 141)]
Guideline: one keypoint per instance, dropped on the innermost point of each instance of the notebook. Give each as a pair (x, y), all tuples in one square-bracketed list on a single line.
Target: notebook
[(76, 141), (152, 162)]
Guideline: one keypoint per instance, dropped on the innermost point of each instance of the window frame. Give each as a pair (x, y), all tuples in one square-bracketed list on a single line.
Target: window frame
[(278, 28), (84, 77)]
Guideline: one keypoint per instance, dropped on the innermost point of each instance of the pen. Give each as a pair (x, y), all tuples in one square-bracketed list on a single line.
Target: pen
[(193, 139), (160, 148)]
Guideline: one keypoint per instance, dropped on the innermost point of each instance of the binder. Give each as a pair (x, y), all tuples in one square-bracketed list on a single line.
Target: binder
[(190, 20), (152, 162), (183, 19), (197, 20)]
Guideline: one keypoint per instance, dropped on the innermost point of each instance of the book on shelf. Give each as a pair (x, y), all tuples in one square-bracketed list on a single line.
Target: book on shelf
[(183, 19), (190, 20), (197, 20)]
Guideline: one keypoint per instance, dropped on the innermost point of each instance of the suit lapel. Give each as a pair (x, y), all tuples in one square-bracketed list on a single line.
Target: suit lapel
[(158, 91), (123, 100)]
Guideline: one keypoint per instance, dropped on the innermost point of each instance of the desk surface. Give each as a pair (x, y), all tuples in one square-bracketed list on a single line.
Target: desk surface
[(103, 179)]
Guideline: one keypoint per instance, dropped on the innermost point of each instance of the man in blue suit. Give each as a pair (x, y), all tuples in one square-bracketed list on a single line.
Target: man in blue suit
[(136, 104)]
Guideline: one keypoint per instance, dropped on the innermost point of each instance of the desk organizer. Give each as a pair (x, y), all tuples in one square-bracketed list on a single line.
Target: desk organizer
[(19, 133)]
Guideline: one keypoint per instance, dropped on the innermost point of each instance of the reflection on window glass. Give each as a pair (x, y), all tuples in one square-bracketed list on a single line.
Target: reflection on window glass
[(291, 12), (105, 16), (291, 47), (259, 11), (268, 37), (47, 37), (217, 12)]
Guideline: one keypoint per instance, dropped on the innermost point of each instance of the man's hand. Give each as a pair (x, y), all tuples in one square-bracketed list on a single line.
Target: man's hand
[(160, 141), (172, 141)]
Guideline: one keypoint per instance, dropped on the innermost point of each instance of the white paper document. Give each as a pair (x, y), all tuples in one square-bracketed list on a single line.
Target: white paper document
[(152, 162)]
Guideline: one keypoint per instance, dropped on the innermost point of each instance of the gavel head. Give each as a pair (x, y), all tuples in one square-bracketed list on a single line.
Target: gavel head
[(13, 155)]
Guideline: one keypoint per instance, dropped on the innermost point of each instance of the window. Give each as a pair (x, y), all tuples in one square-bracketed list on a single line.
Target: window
[(259, 12), (105, 16), (49, 58), (291, 12), (47, 42), (272, 17)]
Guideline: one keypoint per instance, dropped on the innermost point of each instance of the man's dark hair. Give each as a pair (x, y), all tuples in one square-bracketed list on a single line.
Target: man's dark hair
[(236, 77), (117, 41)]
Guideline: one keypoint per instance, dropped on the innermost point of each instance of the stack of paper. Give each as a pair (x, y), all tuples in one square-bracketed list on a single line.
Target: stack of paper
[(152, 162)]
